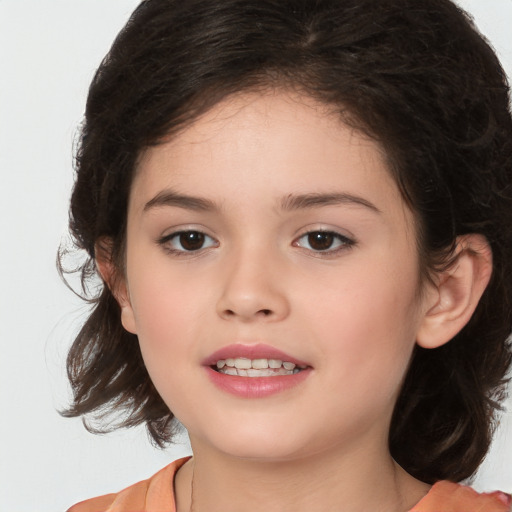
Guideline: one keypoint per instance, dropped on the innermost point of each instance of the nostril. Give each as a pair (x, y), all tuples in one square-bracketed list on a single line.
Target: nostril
[(266, 312)]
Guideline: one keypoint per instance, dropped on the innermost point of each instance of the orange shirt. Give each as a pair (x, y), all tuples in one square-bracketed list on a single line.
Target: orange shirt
[(156, 495)]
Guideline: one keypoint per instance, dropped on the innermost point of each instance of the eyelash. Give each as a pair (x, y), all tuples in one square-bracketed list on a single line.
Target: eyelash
[(344, 243), (167, 240)]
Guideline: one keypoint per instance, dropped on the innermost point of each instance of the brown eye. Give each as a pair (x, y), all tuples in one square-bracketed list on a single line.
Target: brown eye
[(191, 240), (187, 242), (320, 241)]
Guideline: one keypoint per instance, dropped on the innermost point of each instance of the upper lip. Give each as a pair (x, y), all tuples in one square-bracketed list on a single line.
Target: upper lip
[(258, 351)]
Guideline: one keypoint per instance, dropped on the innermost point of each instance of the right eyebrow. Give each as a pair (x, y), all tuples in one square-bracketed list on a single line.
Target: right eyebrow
[(170, 197)]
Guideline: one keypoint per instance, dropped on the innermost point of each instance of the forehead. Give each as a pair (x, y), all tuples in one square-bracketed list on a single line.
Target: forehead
[(271, 144)]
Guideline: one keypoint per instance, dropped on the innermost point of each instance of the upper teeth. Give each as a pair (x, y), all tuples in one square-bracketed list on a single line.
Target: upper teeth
[(243, 363)]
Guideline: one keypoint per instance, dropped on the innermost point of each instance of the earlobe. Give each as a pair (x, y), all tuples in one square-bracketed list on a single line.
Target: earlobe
[(453, 300), (115, 282)]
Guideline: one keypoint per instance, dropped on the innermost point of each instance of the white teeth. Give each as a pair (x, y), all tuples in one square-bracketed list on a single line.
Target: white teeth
[(245, 367), (251, 372), (256, 373), (242, 363), (260, 364)]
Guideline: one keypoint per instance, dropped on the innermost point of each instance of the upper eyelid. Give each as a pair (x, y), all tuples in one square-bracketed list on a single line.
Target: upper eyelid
[(176, 230), (325, 229), (328, 232)]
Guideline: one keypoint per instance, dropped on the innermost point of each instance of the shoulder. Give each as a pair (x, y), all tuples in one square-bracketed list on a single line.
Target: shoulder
[(450, 497), (155, 493), (101, 503)]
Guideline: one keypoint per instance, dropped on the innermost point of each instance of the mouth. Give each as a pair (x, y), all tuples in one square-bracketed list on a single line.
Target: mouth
[(255, 370), (261, 367)]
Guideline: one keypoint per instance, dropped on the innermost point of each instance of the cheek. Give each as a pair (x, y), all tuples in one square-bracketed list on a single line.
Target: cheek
[(160, 308), (162, 300), (368, 324), (170, 313), (166, 334)]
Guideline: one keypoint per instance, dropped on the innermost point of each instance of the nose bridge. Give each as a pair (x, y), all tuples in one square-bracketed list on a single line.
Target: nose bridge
[(250, 287)]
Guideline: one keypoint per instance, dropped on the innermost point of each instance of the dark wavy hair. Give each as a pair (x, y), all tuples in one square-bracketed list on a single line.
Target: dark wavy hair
[(418, 78)]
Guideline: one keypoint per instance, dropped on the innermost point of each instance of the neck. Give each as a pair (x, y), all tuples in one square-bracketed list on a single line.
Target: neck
[(358, 482)]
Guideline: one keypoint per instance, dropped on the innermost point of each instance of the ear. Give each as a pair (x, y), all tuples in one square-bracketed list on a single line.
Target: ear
[(453, 299), (115, 280)]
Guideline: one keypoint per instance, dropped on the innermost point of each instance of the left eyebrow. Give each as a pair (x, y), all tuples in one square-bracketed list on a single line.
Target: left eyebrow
[(318, 200)]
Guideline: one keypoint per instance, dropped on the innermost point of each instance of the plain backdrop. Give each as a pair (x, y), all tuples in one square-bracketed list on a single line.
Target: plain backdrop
[(49, 50)]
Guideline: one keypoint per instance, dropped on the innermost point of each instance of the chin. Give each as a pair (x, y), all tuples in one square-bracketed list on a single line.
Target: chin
[(254, 442)]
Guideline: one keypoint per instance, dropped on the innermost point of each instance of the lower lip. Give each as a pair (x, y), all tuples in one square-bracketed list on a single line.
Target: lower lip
[(256, 387)]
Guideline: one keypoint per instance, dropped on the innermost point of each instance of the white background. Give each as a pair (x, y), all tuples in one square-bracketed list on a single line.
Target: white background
[(49, 50)]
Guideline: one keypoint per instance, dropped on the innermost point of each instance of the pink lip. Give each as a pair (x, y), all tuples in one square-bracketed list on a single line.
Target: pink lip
[(259, 351), (254, 387)]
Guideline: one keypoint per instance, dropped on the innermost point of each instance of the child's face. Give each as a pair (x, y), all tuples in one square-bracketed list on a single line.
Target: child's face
[(261, 172)]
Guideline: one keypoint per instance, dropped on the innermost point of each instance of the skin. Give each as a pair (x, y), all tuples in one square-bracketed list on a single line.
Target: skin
[(353, 312)]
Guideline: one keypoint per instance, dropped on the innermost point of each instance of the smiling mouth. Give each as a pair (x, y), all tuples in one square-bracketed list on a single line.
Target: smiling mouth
[(244, 367)]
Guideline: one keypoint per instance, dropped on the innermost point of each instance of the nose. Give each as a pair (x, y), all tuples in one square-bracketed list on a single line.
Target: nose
[(252, 290)]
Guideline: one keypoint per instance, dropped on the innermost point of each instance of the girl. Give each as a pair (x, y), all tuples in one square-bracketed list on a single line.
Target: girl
[(302, 214)]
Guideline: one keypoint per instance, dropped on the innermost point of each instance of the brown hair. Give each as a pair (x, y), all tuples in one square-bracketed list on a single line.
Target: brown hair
[(417, 77)]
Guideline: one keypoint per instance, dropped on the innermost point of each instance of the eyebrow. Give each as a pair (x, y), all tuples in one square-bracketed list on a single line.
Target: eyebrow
[(317, 200), (289, 203), (172, 198)]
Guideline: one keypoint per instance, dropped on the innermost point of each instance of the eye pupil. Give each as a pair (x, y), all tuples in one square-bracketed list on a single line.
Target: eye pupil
[(320, 241), (192, 240)]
